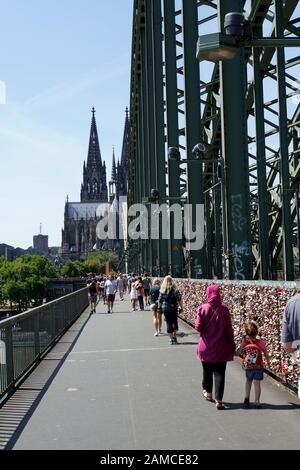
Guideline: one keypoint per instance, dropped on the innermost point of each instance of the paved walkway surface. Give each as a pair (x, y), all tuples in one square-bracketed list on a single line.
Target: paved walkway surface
[(110, 384)]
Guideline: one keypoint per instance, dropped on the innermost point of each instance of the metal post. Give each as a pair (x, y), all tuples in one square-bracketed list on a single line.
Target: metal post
[(297, 195), (192, 121), (208, 236), (217, 222), (235, 151), (176, 255), (288, 268), (152, 169), (138, 168), (145, 136), (159, 122), (263, 209), (9, 352)]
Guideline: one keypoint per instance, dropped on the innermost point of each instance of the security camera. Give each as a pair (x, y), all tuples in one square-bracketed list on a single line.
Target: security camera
[(154, 194), (173, 153), (236, 25), (200, 150)]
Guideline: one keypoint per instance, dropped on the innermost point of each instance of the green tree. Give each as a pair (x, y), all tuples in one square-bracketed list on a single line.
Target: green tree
[(92, 266), (73, 269), (23, 280), (103, 257)]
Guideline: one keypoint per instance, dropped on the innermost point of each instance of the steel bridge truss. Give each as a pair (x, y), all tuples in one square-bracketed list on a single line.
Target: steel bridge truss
[(245, 110)]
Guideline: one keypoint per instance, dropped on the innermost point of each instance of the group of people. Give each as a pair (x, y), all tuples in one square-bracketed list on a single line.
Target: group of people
[(263, 304), (105, 288), (217, 346), (163, 298), (217, 343), (139, 290)]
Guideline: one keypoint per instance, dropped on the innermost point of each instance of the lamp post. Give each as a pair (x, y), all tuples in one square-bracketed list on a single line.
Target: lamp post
[(238, 34), (228, 45)]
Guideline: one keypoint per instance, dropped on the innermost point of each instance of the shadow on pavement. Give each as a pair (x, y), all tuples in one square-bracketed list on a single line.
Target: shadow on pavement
[(264, 406)]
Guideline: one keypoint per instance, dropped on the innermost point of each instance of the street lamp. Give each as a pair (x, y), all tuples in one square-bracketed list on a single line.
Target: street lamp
[(224, 46)]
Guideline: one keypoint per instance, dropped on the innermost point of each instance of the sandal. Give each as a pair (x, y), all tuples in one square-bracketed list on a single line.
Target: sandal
[(219, 405), (207, 396)]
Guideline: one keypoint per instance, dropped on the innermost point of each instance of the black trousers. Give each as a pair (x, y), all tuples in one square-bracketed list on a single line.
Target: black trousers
[(216, 371)]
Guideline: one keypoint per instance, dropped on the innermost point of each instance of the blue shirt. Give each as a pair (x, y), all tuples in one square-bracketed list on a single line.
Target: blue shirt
[(154, 293), (291, 320)]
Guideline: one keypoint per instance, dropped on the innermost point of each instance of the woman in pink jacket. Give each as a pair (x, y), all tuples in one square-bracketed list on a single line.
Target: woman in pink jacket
[(216, 345)]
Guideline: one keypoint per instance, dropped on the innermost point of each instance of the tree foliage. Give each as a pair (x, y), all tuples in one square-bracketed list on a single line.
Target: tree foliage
[(73, 269), (23, 280), (103, 257)]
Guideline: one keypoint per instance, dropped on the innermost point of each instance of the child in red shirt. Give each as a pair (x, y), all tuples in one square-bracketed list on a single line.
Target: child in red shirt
[(252, 350)]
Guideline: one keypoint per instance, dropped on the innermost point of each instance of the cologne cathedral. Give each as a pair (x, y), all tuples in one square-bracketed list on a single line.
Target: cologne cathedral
[(81, 218)]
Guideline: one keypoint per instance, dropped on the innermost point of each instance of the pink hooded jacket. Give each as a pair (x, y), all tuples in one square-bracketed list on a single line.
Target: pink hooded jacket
[(216, 343)]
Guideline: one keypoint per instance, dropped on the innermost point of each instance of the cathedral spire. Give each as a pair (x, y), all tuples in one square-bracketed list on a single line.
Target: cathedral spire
[(125, 146), (94, 154), (94, 187), (114, 168), (122, 168)]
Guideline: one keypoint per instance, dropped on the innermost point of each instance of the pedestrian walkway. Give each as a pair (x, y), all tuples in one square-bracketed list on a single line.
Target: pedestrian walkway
[(110, 384)]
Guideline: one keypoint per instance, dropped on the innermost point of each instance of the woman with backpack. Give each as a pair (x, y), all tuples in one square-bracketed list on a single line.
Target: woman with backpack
[(169, 302), (216, 345), (252, 349)]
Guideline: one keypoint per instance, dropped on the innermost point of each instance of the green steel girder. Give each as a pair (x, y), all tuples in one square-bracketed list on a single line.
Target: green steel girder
[(268, 139)]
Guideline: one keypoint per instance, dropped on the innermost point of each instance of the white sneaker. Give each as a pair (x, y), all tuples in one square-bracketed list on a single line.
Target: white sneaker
[(156, 334)]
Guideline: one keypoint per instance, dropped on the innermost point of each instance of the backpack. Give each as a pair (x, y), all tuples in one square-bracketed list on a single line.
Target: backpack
[(93, 287), (154, 294), (168, 301), (252, 357)]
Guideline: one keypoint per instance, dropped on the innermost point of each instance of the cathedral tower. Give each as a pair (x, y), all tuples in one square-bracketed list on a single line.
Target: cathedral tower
[(94, 187)]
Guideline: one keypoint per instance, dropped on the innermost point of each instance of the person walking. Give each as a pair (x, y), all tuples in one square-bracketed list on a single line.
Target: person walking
[(110, 290), (169, 302), (92, 293), (140, 292), (147, 283), (252, 350), (133, 294), (290, 334), (121, 285), (216, 344), (153, 296)]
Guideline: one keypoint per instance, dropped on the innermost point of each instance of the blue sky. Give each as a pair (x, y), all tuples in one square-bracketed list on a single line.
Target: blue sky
[(59, 58)]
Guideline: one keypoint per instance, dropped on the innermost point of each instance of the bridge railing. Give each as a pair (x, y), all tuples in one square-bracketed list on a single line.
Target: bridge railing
[(26, 337)]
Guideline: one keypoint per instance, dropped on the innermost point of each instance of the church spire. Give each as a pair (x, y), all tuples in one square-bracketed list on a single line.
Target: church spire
[(125, 146), (114, 168), (122, 169), (94, 187), (94, 154)]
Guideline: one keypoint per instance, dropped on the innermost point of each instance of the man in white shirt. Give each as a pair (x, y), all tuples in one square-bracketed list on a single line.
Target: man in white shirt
[(111, 287)]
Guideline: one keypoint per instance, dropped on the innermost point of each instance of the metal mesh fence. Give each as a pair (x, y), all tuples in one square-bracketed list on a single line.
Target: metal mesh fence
[(25, 337)]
